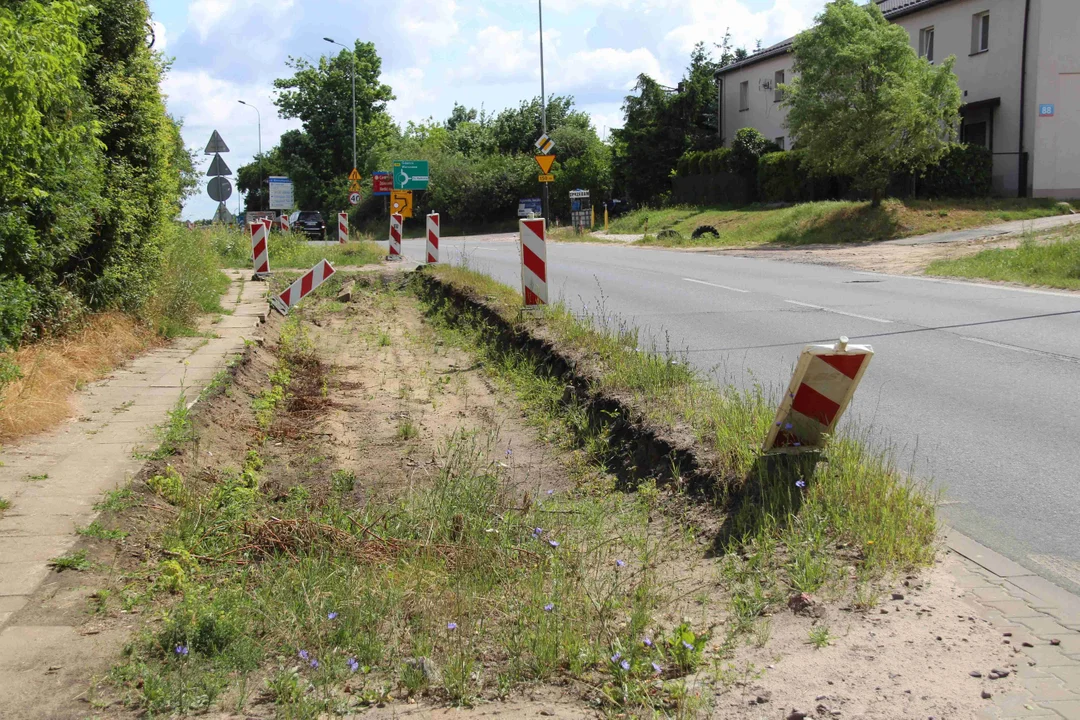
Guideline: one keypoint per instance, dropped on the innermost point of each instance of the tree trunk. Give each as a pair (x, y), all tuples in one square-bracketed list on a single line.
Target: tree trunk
[(875, 198)]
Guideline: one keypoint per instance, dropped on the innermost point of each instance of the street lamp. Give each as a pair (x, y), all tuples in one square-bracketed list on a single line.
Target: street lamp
[(543, 96), (259, 116), (352, 73)]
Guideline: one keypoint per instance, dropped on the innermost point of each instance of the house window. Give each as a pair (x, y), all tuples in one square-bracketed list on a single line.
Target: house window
[(744, 95), (975, 134), (780, 142), (980, 32), (778, 80), (926, 43)]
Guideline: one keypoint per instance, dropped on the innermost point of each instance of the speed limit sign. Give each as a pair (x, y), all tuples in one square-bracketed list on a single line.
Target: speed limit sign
[(354, 198)]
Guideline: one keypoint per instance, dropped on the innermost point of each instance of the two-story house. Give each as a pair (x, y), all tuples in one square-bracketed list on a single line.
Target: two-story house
[(1018, 64)]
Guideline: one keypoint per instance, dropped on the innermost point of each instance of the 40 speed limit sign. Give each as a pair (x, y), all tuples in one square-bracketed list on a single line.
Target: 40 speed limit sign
[(354, 198)]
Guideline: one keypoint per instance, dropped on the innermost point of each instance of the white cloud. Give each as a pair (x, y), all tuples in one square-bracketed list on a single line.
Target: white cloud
[(608, 69), (414, 98), (427, 23), (498, 55), (161, 40), (208, 15), (708, 20)]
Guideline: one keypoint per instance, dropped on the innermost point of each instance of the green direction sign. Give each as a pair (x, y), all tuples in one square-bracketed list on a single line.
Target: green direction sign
[(410, 174)]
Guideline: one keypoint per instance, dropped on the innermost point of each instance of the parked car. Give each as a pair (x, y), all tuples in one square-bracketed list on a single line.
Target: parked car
[(309, 222)]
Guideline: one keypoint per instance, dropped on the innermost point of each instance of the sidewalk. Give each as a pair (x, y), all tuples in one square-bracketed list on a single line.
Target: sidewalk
[(1015, 227), (1037, 618), (53, 480)]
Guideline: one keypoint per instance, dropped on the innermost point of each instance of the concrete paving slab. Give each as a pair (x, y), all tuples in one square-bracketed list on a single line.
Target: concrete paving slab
[(31, 548), (984, 556), (1069, 710), (22, 578)]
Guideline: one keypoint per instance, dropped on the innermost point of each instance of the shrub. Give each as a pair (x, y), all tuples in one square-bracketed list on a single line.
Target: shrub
[(964, 171), (746, 148), (780, 178)]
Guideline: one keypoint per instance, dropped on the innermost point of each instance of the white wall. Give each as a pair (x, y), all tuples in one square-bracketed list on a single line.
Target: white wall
[(1054, 78), (764, 114)]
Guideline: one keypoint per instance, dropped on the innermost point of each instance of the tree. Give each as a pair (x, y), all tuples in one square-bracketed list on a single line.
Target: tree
[(251, 179), (863, 104)]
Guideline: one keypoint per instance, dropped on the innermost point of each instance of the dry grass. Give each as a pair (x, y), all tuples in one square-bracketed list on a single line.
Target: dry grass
[(54, 368)]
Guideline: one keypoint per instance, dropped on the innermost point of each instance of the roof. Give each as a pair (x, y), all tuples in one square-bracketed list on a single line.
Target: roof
[(890, 8)]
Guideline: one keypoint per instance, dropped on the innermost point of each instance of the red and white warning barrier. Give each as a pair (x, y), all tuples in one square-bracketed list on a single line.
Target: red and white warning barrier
[(300, 289), (820, 390), (269, 223), (395, 235), (534, 261), (433, 233), (284, 222), (260, 251), (343, 227)]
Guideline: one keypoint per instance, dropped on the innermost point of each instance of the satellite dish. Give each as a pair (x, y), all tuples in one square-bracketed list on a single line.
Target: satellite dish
[(219, 189)]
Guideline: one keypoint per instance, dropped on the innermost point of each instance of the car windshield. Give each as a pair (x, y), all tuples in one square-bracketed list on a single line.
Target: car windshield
[(310, 216)]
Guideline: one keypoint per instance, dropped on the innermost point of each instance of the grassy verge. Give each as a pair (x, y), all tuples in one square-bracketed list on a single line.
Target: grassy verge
[(37, 380), (826, 222), (1055, 263), (455, 589), (790, 524), (289, 250)]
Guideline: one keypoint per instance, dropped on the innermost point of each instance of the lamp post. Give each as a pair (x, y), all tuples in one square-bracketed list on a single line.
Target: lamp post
[(352, 73), (259, 116), (543, 97)]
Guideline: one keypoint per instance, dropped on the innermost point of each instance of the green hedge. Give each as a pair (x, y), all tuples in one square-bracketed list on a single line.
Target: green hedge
[(964, 171), (780, 178)]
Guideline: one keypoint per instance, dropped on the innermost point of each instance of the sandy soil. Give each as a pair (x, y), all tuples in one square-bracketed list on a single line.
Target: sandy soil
[(381, 366)]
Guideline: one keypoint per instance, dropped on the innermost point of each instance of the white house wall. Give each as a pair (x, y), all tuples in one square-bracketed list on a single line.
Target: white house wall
[(1054, 79), (764, 114)]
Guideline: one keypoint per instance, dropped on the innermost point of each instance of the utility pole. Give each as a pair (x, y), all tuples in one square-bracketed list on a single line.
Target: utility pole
[(543, 99), (352, 73), (259, 116)]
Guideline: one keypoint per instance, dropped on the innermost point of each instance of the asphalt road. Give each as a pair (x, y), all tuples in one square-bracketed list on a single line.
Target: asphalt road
[(976, 387)]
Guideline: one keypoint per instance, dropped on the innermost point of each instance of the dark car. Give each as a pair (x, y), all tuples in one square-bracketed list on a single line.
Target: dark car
[(309, 222)]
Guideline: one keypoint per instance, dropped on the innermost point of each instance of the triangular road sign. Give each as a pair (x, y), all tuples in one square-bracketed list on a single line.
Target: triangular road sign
[(354, 175), (354, 186), (216, 144), (545, 161), (218, 167)]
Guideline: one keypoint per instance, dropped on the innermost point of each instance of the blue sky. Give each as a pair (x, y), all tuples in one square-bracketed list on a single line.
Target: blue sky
[(480, 53)]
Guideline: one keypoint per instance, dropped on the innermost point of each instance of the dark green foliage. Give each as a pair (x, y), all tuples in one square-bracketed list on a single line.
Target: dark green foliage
[(746, 147), (963, 171), (91, 167), (780, 177)]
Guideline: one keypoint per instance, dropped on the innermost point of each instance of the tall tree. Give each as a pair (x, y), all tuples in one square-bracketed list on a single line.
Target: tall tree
[(863, 104), (320, 96)]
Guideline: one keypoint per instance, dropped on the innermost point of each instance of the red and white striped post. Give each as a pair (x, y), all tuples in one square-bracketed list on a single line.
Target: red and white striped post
[(433, 238), (269, 223), (396, 221), (343, 227), (260, 248), (300, 289), (534, 261), (284, 222), (821, 388)]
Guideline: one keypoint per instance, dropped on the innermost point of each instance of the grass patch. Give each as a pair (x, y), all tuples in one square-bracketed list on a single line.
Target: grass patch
[(116, 500), (5, 504), (288, 250), (72, 561), (177, 431), (791, 524), (826, 222), (100, 532), (1055, 263)]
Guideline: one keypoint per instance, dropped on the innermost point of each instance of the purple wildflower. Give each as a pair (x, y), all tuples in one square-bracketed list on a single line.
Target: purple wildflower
[(353, 665), (538, 531), (304, 655), (620, 563), (551, 492), (687, 645), (451, 626), (625, 665), (331, 616), (647, 641), (616, 657), (796, 444), (314, 664), (182, 650), (509, 452), (788, 426), (553, 543), (800, 483), (549, 607), (657, 669)]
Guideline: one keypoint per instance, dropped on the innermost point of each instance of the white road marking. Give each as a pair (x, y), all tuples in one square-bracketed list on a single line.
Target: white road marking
[(839, 312), (722, 287), (1003, 346), (990, 286)]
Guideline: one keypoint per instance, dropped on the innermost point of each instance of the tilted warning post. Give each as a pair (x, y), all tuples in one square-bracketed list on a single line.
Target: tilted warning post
[(821, 388), (534, 262), (433, 233), (303, 287), (395, 236)]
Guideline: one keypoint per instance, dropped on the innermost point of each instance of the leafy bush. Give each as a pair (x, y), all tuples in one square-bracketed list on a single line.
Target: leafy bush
[(747, 146), (780, 178), (964, 171)]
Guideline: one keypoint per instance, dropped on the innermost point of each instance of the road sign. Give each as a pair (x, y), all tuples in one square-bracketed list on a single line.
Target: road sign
[(580, 209), (281, 193), (354, 175), (401, 203), (381, 183), (410, 175), (1046, 111), (222, 215), (546, 178), (216, 144), (354, 186), (218, 167), (219, 189), (820, 390), (530, 206), (545, 144), (545, 161), (354, 198)]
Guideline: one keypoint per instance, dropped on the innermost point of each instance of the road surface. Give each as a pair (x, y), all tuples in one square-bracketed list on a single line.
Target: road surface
[(974, 386)]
